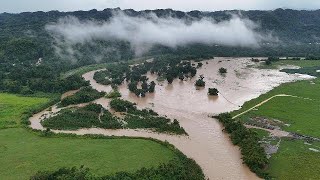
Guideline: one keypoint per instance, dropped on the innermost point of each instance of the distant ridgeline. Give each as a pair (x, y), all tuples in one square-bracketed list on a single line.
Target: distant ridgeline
[(31, 59)]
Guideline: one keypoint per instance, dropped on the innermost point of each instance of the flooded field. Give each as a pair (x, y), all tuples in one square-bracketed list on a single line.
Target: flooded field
[(206, 143)]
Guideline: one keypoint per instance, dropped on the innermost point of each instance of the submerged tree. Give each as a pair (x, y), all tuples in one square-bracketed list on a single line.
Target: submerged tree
[(144, 85), (181, 77), (152, 86), (213, 91), (200, 64), (222, 70), (200, 82), (169, 79)]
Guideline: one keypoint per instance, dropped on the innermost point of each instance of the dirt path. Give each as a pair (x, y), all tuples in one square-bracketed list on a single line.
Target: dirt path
[(274, 132)]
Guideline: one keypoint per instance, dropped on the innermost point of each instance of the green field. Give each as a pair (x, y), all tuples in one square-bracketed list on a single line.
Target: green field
[(23, 152), (12, 107), (302, 114), (294, 159), (300, 63)]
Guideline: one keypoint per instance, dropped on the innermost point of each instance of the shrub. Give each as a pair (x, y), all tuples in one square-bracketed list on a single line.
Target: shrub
[(200, 82), (213, 92), (85, 95), (114, 94), (120, 105), (222, 70)]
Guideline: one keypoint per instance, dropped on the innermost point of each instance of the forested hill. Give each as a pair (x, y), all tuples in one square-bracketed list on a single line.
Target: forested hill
[(28, 53), (288, 25)]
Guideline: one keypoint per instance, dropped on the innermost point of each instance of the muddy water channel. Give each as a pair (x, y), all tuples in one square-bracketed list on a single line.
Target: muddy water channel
[(206, 143)]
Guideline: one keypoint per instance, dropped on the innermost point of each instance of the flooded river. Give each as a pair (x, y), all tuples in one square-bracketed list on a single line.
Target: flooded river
[(206, 143)]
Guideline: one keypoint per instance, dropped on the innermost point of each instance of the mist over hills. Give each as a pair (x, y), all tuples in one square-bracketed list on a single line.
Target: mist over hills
[(37, 46)]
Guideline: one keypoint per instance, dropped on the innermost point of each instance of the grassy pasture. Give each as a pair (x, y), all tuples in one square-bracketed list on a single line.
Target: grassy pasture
[(23, 153), (294, 159), (13, 106)]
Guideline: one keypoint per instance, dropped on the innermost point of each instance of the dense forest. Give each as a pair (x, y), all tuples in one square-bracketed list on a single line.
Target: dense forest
[(28, 53)]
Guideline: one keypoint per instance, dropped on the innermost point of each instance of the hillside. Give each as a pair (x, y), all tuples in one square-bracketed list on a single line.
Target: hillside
[(31, 58)]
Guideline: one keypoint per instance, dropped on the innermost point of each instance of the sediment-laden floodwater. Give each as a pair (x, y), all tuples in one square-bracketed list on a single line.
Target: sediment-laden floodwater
[(206, 143)]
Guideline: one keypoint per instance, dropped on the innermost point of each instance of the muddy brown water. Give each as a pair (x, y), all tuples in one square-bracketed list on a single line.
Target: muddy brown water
[(206, 143)]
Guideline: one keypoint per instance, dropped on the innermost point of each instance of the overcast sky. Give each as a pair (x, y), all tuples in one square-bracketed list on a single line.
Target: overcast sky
[(15, 6)]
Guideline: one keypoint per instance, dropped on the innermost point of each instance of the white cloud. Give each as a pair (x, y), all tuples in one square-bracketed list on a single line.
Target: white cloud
[(186, 5), (142, 33)]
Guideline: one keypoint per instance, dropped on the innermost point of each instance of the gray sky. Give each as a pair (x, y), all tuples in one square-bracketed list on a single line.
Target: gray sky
[(15, 6)]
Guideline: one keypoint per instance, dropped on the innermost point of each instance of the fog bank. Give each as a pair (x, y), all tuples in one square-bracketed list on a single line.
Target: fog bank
[(144, 32)]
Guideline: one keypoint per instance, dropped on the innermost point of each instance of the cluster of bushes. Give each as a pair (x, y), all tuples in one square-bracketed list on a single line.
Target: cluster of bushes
[(312, 71), (200, 82), (222, 70), (120, 105), (270, 60), (213, 92), (113, 75), (92, 115), (167, 68), (158, 123), (86, 94), (145, 118), (145, 87), (253, 155), (114, 94), (179, 168)]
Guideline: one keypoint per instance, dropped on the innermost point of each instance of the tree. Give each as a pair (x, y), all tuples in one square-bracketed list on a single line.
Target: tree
[(222, 70), (181, 77), (213, 92), (200, 82), (152, 86), (132, 86), (169, 79), (144, 85)]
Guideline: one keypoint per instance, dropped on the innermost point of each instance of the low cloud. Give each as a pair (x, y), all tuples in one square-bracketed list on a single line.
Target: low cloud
[(144, 32)]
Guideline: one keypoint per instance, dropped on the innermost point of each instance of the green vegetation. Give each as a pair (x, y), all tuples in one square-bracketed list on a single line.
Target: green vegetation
[(92, 115), (179, 168), (136, 118), (213, 92), (294, 160), (222, 70), (300, 63), (83, 69), (24, 153), (301, 112), (312, 71), (200, 82), (120, 105), (12, 107), (113, 94), (86, 94), (166, 67), (253, 154)]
